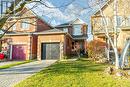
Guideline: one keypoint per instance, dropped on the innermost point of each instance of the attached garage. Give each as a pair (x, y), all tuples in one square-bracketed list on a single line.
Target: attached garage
[(50, 51), (19, 52), (53, 44)]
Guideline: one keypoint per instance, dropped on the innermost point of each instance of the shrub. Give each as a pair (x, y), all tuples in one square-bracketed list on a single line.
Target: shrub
[(96, 50)]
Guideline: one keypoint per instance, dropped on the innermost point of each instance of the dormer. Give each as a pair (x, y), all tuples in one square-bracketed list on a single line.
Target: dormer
[(75, 28), (79, 27)]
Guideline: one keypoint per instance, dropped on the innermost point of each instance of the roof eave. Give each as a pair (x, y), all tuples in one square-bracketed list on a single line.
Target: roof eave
[(98, 11)]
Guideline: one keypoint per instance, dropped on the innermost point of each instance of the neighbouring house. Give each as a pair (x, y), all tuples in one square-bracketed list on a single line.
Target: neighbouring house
[(19, 42), (32, 38), (78, 31), (123, 23)]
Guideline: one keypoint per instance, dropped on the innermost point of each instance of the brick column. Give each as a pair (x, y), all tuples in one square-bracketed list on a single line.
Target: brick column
[(39, 49), (29, 48), (61, 50)]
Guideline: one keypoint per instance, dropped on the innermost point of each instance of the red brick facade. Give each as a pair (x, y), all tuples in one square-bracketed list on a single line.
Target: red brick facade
[(31, 39)]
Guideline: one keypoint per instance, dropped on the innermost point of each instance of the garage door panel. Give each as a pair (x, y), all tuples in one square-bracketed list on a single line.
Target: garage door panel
[(48, 51), (19, 52), (55, 51), (43, 52), (51, 51)]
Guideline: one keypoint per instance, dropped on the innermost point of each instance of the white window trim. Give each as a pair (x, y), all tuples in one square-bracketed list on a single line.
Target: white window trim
[(74, 32), (119, 20), (23, 24), (65, 29)]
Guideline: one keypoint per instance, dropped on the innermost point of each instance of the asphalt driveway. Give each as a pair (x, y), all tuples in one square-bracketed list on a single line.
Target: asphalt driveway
[(12, 76)]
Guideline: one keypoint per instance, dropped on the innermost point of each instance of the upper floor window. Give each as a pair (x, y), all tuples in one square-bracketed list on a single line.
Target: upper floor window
[(119, 20), (65, 29), (25, 24), (77, 30)]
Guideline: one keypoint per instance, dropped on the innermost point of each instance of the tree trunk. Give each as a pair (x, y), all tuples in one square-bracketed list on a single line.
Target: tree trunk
[(114, 44), (124, 52), (117, 64)]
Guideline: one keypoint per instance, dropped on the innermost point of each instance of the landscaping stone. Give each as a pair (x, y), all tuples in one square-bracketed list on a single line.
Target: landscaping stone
[(103, 60), (128, 73), (109, 70), (119, 74)]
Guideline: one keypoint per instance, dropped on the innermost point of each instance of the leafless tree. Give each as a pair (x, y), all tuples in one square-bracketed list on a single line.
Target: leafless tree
[(119, 60), (17, 6)]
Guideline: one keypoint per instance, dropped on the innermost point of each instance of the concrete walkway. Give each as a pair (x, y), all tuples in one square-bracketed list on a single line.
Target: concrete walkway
[(10, 77)]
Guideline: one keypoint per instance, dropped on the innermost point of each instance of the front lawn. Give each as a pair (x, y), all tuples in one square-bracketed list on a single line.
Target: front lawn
[(81, 73)]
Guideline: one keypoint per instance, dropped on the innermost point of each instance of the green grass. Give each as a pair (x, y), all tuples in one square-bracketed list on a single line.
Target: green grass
[(81, 73), (14, 64)]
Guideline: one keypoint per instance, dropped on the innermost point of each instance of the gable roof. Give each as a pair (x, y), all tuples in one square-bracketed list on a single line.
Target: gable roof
[(64, 24), (54, 30), (78, 21), (41, 18), (105, 5), (51, 31), (70, 23), (34, 14)]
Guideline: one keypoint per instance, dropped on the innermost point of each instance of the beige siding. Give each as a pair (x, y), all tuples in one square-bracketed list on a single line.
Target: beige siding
[(15, 40), (49, 38), (123, 36), (123, 11)]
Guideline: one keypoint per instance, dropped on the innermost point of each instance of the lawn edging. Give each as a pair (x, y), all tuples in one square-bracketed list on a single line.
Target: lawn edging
[(15, 64)]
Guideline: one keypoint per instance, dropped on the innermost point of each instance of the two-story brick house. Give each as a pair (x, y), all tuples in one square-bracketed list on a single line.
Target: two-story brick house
[(123, 22), (78, 30), (20, 40), (32, 38)]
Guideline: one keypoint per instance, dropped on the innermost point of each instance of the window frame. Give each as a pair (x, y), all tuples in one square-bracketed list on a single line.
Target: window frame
[(74, 28), (25, 24), (119, 20), (65, 30)]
